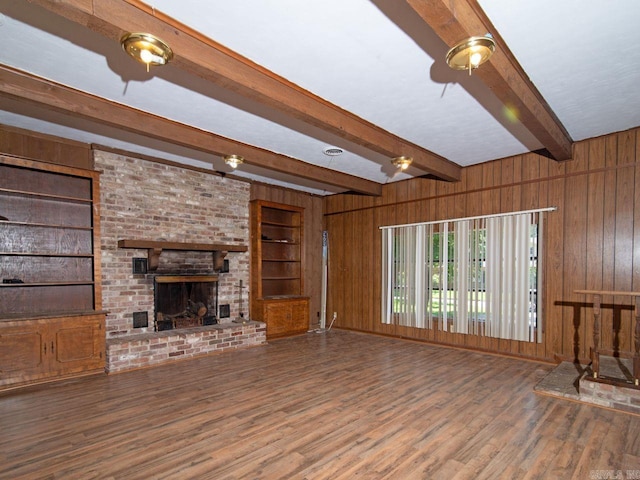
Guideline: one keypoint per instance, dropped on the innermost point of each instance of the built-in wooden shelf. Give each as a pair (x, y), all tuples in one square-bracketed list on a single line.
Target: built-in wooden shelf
[(44, 284), (277, 268), (155, 247), (45, 196), (46, 225), (51, 319)]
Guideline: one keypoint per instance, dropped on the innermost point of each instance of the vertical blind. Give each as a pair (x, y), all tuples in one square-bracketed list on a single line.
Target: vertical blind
[(479, 275)]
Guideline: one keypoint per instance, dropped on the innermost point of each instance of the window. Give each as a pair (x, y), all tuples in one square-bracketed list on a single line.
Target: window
[(474, 276)]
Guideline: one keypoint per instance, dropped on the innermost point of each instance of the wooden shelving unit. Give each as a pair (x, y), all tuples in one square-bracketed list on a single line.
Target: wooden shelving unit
[(51, 322), (277, 268)]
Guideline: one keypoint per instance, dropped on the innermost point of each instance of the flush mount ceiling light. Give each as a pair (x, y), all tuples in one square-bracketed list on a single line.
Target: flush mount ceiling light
[(469, 54), (233, 160), (146, 48), (402, 162)]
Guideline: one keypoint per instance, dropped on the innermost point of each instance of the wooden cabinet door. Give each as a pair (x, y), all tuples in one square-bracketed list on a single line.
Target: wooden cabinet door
[(277, 317), (39, 349), (300, 316), (22, 352), (286, 317), (78, 344)]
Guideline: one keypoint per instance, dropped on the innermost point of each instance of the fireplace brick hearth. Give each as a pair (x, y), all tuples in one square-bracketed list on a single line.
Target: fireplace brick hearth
[(150, 349)]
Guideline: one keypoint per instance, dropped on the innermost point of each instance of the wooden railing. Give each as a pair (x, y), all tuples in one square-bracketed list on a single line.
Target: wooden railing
[(596, 350)]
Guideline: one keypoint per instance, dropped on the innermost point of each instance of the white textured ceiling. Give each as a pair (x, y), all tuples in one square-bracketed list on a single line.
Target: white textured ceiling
[(374, 58), (582, 55)]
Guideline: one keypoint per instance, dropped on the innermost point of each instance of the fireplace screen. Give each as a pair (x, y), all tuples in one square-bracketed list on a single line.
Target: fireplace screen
[(183, 301)]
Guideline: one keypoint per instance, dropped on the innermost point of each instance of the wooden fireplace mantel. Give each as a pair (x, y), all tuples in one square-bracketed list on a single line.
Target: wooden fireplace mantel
[(154, 249)]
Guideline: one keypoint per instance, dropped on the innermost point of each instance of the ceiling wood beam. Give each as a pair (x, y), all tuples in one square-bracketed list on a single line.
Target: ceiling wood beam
[(455, 20), (29, 88), (199, 55)]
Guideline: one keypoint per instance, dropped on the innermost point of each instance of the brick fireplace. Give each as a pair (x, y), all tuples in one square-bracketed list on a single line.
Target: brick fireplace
[(147, 200)]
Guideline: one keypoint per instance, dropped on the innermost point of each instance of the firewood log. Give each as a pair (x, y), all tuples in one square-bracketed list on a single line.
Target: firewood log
[(197, 309)]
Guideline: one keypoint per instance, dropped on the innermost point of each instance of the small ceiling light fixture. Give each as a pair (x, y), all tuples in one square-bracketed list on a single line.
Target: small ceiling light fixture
[(469, 54), (146, 48), (233, 160), (402, 162)]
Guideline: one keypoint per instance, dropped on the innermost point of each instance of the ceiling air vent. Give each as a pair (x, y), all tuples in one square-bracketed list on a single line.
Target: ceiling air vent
[(333, 151)]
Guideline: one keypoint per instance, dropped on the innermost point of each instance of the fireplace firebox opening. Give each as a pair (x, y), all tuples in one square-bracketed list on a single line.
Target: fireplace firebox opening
[(183, 301)]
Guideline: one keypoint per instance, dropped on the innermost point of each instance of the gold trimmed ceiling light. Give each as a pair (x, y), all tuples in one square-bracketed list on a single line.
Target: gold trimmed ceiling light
[(469, 54), (146, 48), (402, 162), (233, 160)]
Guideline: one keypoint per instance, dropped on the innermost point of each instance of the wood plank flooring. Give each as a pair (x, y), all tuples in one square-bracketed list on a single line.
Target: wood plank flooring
[(339, 405)]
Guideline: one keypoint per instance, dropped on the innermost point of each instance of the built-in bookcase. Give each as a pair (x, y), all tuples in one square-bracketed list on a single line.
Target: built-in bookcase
[(277, 267), (46, 241), (50, 302)]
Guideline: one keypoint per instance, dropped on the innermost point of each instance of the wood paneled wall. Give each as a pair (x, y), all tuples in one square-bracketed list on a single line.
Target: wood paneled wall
[(45, 148), (312, 238), (591, 242)]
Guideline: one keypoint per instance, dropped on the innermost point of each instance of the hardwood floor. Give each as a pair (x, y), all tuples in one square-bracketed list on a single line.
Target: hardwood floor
[(339, 405)]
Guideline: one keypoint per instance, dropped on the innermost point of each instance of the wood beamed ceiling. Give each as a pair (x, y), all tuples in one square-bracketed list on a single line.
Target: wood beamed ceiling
[(28, 88), (198, 55), (454, 21)]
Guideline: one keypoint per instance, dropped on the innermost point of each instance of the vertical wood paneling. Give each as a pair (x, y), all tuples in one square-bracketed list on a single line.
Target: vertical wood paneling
[(595, 228), (529, 192), (543, 196), (361, 291), (636, 221), (553, 266), (575, 222), (366, 270), (350, 274), (335, 301), (374, 288), (473, 200), (402, 191), (625, 183), (427, 187), (591, 241), (609, 238)]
